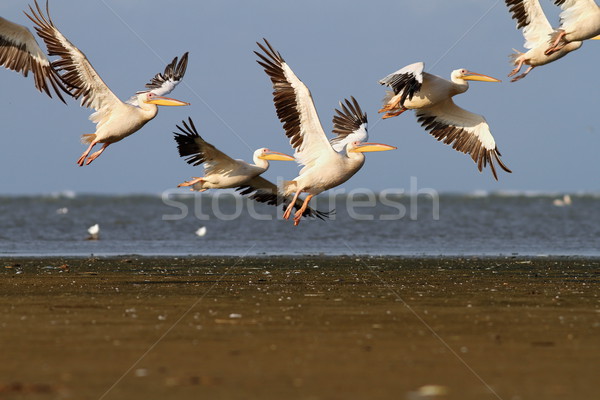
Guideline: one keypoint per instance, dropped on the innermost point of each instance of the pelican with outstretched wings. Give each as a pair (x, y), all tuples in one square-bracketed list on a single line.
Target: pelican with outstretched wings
[(324, 167), (115, 120), (431, 98), (579, 20), (224, 172), (537, 32)]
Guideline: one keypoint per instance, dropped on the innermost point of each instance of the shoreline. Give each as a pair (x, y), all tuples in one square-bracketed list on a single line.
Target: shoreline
[(312, 327), (391, 257)]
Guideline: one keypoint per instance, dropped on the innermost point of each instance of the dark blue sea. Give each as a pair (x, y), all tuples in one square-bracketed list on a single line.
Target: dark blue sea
[(491, 224)]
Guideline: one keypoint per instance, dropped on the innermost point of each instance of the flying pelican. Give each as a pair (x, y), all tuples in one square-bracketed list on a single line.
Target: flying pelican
[(431, 97), (537, 31), (579, 20), (222, 171), (115, 119), (324, 167), (20, 52)]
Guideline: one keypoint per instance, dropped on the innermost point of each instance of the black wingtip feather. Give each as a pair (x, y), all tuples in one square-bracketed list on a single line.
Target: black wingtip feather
[(188, 144), (349, 118)]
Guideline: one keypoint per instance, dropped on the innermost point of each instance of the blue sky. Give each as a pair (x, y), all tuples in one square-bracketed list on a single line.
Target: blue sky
[(546, 126)]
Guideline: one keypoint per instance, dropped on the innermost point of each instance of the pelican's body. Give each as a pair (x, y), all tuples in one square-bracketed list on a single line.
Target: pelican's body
[(240, 173), (20, 52), (434, 90), (123, 120), (115, 120), (537, 32), (326, 172), (223, 172), (325, 164), (579, 20), (431, 97)]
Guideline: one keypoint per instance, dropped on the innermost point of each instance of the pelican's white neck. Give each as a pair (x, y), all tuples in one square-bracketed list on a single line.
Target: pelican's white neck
[(259, 162)]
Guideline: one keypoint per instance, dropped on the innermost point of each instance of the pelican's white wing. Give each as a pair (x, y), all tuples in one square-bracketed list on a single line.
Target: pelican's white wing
[(350, 125), (530, 16), (20, 52), (164, 83), (76, 71), (407, 80), (467, 132), (191, 145), (263, 191), (295, 109)]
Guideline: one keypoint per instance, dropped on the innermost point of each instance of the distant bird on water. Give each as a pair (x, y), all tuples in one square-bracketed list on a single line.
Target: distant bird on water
[(94, 232), (565, 201), (115, 119), (431, 98), (324, 167), (20, 52), (222, 171)]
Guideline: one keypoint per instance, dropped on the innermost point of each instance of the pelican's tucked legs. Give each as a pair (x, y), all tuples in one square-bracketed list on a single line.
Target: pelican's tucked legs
[(392, 104), (517, 68), (191, 182), (391, 114), (96, 154), (298, 215), (554, 47), (523, 75), (85, 154), (288, 211)]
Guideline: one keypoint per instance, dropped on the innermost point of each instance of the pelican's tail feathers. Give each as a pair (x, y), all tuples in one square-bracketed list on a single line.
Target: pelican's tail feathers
[(513, 57), (88, 138), (289, 187), (388, 96)]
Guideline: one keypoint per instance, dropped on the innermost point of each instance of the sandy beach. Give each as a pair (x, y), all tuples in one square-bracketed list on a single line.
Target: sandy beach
[(299, 328)]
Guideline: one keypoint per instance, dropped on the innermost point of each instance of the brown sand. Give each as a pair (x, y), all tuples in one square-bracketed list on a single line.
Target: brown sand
[(304, 328)]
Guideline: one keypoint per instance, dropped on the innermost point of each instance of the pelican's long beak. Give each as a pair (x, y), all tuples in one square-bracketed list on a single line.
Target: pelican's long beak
[(474, 76), (596, 38), (367, 147), (275, 156), (166, 101)]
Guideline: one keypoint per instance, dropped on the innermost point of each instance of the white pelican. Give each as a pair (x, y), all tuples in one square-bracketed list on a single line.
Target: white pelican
[(537, 31), (431, 98), (20, 52), (115, 119), (324, 167), (579, 20), (222, 171)]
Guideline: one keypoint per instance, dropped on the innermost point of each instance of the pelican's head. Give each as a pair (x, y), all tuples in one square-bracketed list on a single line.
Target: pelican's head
[(466, 75), (362, 147), (266, 154), (153, 98)]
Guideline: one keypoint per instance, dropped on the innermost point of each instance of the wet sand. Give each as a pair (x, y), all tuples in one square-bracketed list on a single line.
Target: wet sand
[(299, 328)]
